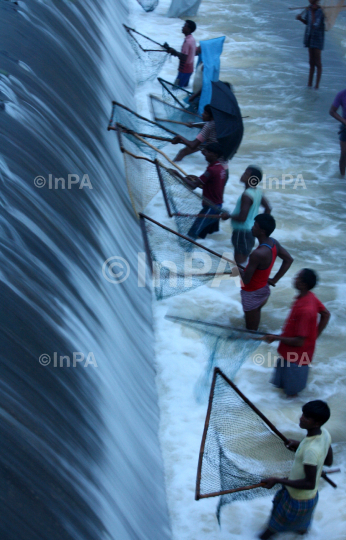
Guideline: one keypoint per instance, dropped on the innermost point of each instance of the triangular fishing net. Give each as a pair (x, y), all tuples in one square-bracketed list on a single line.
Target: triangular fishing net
[(174, 118), (239, 447), (150, 55), (177, 263), (331, 10), (226, 347), (141, 174), (135, 127), (174, 95), (148, 5), (182, 203)]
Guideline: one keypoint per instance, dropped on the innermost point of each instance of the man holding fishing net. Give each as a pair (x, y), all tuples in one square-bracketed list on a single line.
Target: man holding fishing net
[(187, 54), (294, 504), (299, 335), (212, 182)]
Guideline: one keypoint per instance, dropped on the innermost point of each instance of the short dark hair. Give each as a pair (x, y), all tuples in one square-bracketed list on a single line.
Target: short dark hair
[(266, 222), (207, 109), (256, 172), (215, 147), (317, 410), (309, 278), (192, 25)]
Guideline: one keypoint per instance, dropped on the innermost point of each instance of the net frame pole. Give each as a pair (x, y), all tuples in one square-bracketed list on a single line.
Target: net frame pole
[(128, 29), (187, 239), (162, 154), (163, 189), (243, 330), (146, 243), (163, 84), (116, 103)]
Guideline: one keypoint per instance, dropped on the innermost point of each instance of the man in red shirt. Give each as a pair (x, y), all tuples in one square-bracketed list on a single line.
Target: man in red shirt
[(187, 54), (299, 335), (212, 182)]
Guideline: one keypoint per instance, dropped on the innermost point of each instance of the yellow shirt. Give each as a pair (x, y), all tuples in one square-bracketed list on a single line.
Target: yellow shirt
[(311, 451)]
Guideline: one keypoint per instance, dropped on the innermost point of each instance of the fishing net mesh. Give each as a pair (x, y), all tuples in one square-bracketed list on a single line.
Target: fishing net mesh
[(178, 265), (173, 94), (239, 449), (173, 117), (124, 118), (225, 347), (150, 57), (148, 5), (182, 203), (141, 175), (331, 9)]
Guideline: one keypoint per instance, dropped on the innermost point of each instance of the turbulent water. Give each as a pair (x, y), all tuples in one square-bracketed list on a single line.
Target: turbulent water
[(79, 453), (290, 134)]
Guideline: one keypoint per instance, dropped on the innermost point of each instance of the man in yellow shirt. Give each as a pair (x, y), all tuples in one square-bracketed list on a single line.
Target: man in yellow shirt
[(294, 504)]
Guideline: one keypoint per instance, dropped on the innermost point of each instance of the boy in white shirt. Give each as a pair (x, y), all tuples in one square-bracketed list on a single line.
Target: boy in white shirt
[(294, 504)]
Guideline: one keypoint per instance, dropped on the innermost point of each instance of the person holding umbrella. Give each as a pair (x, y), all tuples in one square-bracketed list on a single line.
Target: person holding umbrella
[(223, 124)]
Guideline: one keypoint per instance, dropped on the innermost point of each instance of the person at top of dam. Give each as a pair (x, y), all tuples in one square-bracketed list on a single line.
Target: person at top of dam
[(313, 18), (294, 504), (255, 289), (298, 338), (187, 54)]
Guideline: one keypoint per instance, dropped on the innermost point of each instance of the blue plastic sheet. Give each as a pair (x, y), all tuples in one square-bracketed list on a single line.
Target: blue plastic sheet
[(211, 52)]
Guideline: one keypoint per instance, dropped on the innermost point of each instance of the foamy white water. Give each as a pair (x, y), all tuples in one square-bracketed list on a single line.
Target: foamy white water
[(289, 132)]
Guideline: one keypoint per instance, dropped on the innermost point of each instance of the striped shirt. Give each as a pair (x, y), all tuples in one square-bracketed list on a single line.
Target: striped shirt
[(207, 135)]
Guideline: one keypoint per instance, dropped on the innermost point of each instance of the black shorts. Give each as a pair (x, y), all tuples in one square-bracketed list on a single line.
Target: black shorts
[(243, 242)]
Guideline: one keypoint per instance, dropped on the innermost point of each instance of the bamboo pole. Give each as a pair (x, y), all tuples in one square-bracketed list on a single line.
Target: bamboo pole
[(160, 152), (188, 239)]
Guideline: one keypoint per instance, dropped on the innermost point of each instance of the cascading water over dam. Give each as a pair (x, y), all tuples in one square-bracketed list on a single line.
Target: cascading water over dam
[(79, 456)]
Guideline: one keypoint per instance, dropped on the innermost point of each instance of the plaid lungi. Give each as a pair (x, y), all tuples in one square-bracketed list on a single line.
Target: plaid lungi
[(290, 514), (254, 299)]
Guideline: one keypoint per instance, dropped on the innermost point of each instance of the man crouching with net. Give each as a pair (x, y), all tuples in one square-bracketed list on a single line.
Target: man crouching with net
[(294, 504), (212, 182)]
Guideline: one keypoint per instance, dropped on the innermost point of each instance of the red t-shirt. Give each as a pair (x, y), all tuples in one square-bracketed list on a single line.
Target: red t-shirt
[(302, 322), (214, 180)]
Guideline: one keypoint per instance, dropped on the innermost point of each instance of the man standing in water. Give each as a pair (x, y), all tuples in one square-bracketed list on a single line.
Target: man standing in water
[(187, 55), (340, 101), (255, 289), (313, 18), (213, 182), (298, 338), (296, 501), (246, 209)]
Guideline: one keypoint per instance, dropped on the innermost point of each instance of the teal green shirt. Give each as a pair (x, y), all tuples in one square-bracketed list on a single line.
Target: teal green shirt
[(256, 195)]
